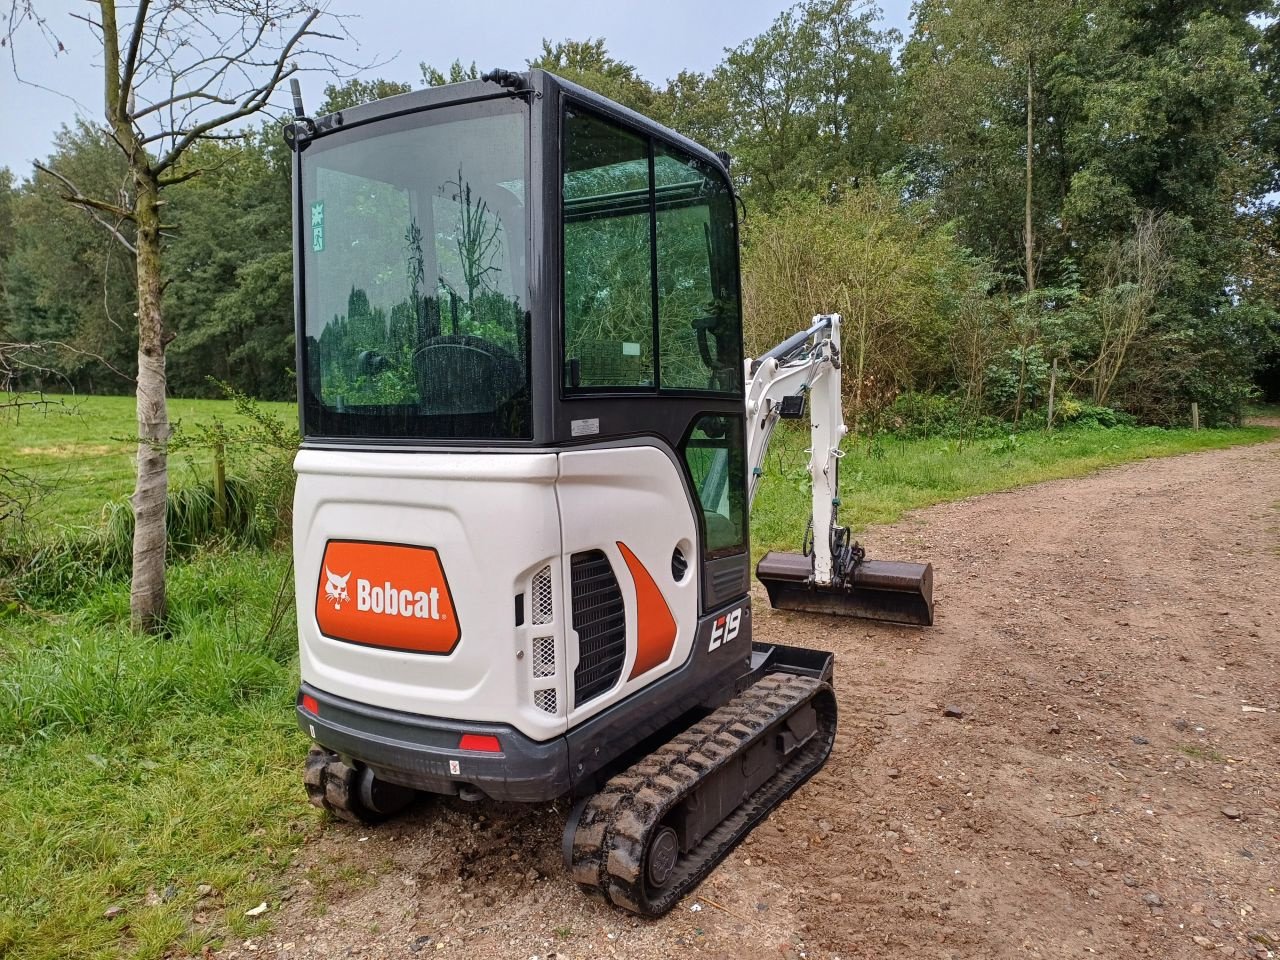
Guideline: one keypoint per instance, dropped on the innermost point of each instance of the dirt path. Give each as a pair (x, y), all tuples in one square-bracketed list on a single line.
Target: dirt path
[(1105, 793)]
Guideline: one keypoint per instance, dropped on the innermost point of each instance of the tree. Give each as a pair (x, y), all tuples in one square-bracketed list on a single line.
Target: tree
[(809, 101), (72, 289), (343, 96), (588, 63), (8, 196), (431, 77), (988, 97), (178, 74), (229, 270)]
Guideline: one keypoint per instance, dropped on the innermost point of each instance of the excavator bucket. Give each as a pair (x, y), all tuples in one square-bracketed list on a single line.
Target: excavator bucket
[(878, 589)]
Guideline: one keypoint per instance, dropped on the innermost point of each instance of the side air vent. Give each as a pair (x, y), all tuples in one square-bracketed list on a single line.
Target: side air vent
[(545, 700), (679, 565), (600, 620), (544, 656), (543, 607)]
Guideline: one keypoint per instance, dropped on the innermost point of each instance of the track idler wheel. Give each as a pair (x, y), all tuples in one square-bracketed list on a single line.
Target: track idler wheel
[(349, 792)]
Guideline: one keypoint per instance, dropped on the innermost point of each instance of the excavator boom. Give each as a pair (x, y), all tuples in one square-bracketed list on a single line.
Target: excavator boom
[(833, 576)]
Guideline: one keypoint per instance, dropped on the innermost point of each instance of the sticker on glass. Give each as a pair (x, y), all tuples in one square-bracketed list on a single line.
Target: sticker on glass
[(317, 226)]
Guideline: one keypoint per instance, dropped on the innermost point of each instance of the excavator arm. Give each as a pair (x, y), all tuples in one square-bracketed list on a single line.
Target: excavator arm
[(832, 575)]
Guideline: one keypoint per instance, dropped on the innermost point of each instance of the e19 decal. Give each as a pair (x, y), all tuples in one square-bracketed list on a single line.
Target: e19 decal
[(725, 629)]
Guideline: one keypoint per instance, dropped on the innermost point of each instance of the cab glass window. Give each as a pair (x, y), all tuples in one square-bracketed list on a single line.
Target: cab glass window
[(415, 292), (699, 319), (650, 265), (608, 262), (714, 454)]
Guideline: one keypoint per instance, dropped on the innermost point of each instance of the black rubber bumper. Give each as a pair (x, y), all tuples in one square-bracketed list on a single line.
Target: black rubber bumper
[(423, 752)]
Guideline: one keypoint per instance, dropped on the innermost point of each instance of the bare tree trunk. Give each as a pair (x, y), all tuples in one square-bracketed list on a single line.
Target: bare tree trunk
[(147, 595), (1029, 228)]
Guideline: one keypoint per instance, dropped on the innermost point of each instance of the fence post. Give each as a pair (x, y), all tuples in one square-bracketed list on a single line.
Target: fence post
[(219, 486), (1053, 384), (1195, 416)]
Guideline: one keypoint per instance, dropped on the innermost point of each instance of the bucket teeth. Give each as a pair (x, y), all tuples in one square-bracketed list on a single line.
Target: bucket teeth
[(878, 590)]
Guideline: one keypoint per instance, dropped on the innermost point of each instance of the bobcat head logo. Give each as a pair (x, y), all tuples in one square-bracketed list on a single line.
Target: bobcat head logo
[(336, 589)]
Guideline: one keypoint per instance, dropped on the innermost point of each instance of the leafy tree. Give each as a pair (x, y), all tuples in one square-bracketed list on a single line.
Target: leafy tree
[(431, 77), (589, 64), (8, 196), (808, 102), (72, 289), (342, 96), (901, 285), (229, 296)]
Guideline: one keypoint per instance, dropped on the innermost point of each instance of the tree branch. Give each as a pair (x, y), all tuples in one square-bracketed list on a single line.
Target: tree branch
[(253, 101), (135, 43), (178, 178), (92, 206)]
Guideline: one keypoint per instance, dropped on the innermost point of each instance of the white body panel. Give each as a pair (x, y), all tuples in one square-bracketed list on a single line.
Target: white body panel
[(633, 495), (500, 523), (494, 522)]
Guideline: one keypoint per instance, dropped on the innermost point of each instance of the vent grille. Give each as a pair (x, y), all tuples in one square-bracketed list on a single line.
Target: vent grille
[(543, 607), (601, 622), (544, 656), (545, 700), (729, 581)]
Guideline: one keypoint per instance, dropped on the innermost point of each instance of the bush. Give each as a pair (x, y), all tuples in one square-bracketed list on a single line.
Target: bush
[(1078, 413)]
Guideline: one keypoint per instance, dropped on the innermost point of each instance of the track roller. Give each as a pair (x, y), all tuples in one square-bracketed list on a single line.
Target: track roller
[(657, 829), (351, 793)]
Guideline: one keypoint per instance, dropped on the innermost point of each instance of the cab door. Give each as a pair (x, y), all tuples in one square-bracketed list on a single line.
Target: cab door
[(653, 484)]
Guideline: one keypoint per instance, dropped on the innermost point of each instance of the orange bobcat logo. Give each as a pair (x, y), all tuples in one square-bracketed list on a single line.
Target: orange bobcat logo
[(400, 599)]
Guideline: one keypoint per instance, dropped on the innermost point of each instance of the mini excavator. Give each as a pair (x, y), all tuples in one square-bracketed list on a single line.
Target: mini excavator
[(530, 448)]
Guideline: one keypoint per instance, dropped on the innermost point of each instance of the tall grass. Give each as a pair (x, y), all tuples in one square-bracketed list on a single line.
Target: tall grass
[(138, 768), (57, 566)]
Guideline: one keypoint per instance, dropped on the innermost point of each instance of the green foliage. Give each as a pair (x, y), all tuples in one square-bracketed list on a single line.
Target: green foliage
[(916, 416), (902, 284), (1139, 114), (355, 91), (589, 63), (1079, 413), (258, 445), (230, 296), (809, 104)]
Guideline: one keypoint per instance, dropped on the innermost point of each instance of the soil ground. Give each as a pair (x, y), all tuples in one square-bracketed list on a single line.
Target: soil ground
[(1112, 788)]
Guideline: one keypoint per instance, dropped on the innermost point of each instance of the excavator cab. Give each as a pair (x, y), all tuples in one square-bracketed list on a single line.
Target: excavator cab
[(520, 520)]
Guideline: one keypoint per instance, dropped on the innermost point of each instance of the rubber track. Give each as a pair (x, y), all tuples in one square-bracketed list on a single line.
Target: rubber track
[(616, 824), (331, 786)]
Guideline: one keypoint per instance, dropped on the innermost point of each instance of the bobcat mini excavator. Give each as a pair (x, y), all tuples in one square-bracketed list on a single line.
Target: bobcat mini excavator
[(531, 445)]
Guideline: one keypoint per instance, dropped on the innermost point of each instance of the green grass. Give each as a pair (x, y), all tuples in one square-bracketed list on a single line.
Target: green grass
[(879, 485), (80, 448), (149, 765)]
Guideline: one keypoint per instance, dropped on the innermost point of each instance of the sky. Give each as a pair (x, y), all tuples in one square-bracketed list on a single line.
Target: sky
[(660, 37)]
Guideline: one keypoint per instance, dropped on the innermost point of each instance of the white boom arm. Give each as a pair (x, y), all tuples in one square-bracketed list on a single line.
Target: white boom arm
[(808, 365)]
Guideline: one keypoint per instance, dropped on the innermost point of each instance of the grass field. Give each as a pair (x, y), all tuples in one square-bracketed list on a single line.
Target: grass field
[(80, 447), (138, 769)]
